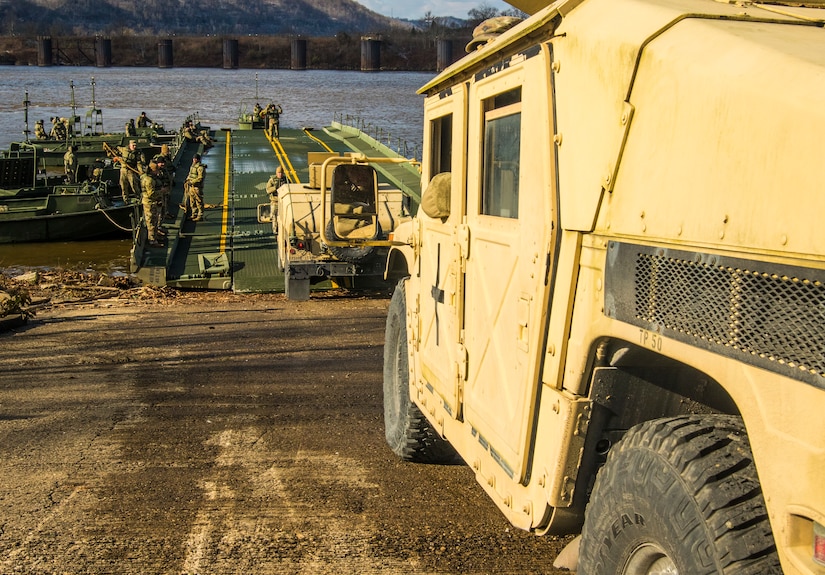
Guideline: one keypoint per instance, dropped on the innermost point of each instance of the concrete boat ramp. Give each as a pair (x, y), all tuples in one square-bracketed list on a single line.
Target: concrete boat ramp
[(230, 249)]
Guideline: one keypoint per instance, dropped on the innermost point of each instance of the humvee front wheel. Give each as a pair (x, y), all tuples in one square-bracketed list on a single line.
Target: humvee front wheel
[(679, 496), (408, 433)]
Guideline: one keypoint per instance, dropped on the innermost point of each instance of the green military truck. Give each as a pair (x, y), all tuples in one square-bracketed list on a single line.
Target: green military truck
[(611, 302)]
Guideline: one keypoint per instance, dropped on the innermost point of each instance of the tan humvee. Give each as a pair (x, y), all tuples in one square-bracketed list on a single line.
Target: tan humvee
[(613, 296), (338, 226)]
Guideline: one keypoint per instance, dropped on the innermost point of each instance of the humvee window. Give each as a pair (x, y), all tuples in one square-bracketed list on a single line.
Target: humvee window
[(352, 195), (502, 146), (441, 138)]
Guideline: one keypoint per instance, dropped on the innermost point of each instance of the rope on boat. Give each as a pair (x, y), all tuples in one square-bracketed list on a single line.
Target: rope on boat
[(114, 223)]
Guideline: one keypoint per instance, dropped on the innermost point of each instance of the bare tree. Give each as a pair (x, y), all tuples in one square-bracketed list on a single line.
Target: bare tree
[(481, 13)]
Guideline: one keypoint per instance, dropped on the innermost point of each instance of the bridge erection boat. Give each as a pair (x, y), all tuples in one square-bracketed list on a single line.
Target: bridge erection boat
[(235, 246)]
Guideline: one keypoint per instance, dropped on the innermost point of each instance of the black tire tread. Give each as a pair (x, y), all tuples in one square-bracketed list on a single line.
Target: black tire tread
[(350, 254), (422, 444), (408, 432), (712, 461)]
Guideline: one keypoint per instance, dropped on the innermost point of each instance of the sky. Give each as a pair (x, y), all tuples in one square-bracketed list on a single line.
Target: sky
[(416, 10)]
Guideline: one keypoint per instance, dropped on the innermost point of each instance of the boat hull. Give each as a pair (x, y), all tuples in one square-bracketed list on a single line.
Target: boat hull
[(69, 217)]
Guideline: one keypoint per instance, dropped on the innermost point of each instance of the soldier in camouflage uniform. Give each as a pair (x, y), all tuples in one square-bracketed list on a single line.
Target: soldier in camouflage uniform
[(132, 164), (193, 189), (166, 155), (58, 131), (272, 185), (274, 113), (40, 131), (68, 130), (164, 163), (152, 198), (192, 134), (143, 121), (70, 165)]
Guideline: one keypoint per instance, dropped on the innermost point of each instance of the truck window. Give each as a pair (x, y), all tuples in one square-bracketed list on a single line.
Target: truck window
[(502, 146), (441, 137)]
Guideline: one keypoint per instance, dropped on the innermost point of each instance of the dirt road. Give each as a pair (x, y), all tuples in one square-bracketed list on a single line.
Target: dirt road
[(225, 434)]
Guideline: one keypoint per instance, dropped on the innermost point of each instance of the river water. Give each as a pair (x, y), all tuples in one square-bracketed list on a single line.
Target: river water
[(384, 104)]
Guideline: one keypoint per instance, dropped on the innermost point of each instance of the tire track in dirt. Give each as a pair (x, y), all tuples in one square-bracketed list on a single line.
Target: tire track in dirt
[(289, 513)]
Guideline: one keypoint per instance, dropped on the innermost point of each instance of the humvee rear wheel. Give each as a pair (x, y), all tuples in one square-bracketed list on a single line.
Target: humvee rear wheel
[(679, 496), (408, 433)]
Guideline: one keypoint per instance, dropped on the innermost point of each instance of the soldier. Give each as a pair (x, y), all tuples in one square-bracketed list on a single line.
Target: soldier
[(206, 139), (143, 121), (164, 162), (150, 180), (40, 131), (97, 171), (68, 130), (272, 186), (53, 130), (274, 113), (190, 134), (193, 190), (70, 165), (58, 129), (62, 128), (132, 163), (130, 129), (166, 154)]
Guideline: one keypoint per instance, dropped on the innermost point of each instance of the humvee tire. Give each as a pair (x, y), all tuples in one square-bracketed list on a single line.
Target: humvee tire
[(351, 254), (408, 433), (679, 495)]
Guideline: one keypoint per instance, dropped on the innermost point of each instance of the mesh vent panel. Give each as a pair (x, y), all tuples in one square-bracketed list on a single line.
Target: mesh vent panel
[(766, 314)]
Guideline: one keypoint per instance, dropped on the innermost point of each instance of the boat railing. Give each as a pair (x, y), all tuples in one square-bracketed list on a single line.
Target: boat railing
[(379, 134)]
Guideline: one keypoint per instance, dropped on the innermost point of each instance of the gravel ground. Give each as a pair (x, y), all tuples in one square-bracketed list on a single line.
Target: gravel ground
[(155, 431)]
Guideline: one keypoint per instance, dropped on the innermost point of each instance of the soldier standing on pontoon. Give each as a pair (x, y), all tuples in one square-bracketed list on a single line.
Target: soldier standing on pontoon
[(274, 112), (193, 190), (272, 185), (167, 180), (132, 164), (152, 198)]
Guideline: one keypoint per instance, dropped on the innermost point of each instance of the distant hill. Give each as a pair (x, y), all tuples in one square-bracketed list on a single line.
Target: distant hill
[(191, 17)]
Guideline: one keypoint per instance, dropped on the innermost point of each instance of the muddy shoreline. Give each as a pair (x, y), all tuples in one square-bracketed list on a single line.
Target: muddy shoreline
[(157, 431)]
